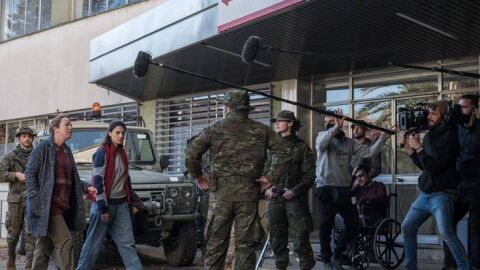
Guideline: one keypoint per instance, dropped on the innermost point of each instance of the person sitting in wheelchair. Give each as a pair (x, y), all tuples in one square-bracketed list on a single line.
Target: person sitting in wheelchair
[(371, 196)]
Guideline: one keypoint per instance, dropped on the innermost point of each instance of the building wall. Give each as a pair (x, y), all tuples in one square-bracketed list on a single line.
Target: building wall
[(48, 70)]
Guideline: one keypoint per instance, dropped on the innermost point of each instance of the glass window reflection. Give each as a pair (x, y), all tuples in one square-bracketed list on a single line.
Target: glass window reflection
[(385, 90)]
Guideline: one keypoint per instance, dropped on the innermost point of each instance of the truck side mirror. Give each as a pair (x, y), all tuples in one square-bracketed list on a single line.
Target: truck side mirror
[(164, 162)]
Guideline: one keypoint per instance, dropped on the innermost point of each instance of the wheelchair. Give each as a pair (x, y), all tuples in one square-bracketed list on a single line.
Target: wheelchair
[(378, 242)]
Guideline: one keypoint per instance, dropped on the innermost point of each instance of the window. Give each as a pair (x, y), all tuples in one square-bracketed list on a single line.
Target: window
[(138, 147), (21, 17), (378, 113), (404, 163), (395, 88), (454, 82), (25, 16), (11, 130), (180, 119), (85, 139), (92, 7), (3, 137), (128, 113)]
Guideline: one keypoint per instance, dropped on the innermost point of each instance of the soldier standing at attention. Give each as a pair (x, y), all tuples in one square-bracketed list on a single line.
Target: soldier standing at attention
[(288, 200), (238, 149), (12, 170)]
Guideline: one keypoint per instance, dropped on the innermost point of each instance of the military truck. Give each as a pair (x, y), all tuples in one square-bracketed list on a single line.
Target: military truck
[(169, 201)]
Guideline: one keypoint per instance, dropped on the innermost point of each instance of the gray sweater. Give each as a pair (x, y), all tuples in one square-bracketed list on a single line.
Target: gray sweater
[(334, 158)]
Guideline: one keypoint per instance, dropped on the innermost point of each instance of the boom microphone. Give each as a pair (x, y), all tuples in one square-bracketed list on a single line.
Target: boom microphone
[(142, 63), (254, 43), (144, 58), (250, 49)]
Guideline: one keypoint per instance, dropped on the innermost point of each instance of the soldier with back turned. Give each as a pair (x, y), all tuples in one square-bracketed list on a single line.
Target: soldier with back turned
[(238, 147)]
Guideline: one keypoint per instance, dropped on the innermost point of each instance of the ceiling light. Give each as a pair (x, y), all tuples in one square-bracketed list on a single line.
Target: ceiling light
[(406, 17)]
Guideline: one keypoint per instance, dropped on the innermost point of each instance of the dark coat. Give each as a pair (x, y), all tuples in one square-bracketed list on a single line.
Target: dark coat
[(437, 160), (468, 164), (40, 176)]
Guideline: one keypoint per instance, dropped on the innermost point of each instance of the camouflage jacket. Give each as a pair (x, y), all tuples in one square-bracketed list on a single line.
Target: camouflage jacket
[(300, 173), (15, 161), (238, 149)]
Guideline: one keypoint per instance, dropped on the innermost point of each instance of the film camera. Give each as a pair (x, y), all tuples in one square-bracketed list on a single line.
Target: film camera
[(413, 118)]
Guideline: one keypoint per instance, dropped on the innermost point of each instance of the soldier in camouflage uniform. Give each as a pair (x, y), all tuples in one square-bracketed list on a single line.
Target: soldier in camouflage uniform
[(288, 200), (238, 147), (12, 170)]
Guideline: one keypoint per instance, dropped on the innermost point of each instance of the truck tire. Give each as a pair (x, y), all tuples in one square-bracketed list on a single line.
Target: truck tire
[(180, 248)]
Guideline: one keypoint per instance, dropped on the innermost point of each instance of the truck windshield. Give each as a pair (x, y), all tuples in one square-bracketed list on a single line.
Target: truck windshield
[(138, 146), (85, 139)]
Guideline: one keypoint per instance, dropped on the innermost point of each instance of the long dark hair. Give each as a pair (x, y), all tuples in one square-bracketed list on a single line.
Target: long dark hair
[(111, 127)]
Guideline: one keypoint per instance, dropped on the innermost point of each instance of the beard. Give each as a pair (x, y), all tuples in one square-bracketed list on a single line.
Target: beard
[(465, 119), (358, 136)]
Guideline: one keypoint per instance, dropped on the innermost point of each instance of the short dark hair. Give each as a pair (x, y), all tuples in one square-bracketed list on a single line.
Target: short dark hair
[(364, 168), (55, 122), (473, 99)]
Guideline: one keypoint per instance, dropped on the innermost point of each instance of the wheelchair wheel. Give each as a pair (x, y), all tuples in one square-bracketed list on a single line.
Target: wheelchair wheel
[(360, 262), (387, 251), (360, 251)]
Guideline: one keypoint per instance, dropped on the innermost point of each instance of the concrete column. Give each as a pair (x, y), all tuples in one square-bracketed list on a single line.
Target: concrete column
[(299, 91), (147, 111)]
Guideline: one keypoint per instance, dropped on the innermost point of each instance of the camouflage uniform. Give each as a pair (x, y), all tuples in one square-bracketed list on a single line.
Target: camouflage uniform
[(16, 161), (238, 148), (294, 213)]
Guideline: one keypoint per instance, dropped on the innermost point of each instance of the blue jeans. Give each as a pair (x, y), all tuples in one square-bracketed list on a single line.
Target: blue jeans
[(440, 205), (120, 229)]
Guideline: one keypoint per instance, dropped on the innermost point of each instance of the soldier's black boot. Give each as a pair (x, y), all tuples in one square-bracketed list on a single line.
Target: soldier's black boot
[(11, 258), (21, 245)]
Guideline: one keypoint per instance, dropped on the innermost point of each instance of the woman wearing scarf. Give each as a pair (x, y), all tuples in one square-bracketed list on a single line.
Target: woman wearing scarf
[(111, 211)]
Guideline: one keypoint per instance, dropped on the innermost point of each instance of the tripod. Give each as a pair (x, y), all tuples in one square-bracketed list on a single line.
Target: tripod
[(266, 247)]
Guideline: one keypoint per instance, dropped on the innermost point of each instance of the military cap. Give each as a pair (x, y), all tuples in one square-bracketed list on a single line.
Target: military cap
[(363, 124), (25, 130), (286, 115), (237, 99)]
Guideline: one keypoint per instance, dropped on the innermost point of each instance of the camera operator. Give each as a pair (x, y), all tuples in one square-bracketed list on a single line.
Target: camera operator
[(333, 179), (436, 157), (468, 166)]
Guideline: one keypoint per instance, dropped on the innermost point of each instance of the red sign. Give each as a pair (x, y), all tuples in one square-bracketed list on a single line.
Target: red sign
[(232, 13)]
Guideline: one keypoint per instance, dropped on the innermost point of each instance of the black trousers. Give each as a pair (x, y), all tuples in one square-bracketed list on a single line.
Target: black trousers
[(333, 200), (469, 203)]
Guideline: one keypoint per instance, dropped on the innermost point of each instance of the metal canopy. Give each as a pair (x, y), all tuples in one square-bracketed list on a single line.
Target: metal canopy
[(367, 33)]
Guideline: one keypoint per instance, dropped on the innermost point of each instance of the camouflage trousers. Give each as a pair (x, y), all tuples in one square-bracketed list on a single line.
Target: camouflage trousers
[(248, 233), (294, 215), (15, 222)]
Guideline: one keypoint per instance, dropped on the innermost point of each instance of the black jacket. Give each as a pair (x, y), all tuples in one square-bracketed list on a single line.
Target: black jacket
[(468, 164), (437, 159)]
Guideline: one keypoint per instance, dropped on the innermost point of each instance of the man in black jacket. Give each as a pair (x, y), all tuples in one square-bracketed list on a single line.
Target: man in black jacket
[(468, 166), (436, 157)]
